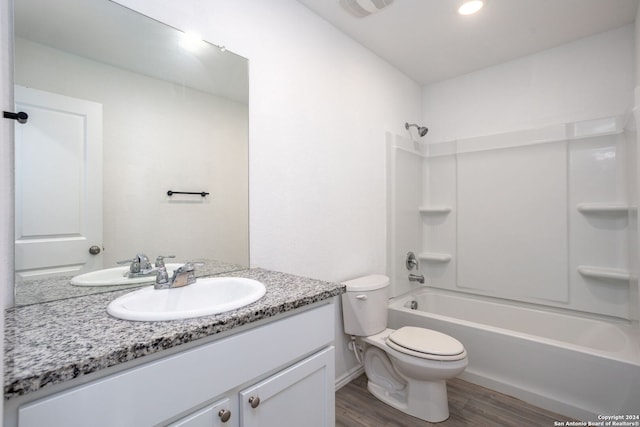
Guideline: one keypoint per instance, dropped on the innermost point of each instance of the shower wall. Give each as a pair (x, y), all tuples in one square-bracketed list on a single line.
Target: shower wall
[(542, 216), (528, 181)]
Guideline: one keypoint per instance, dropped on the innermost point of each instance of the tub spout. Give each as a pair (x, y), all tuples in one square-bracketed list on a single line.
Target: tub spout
[(416, 278)]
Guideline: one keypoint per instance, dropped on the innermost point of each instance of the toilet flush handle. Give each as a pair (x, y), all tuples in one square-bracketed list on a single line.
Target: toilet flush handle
[(361, 297)]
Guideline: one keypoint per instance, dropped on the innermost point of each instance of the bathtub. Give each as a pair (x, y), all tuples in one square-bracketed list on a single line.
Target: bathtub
[(574, 365)]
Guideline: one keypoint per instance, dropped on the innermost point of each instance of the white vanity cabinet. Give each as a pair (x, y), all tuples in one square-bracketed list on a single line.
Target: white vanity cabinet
[(220, 414), (277, 374), (296, 396)]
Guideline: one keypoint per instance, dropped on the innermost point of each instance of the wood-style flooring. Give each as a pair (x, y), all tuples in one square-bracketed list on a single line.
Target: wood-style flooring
[(469, 405)]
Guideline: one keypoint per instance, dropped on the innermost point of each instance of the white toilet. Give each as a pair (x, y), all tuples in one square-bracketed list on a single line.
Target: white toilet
[(406, 368)]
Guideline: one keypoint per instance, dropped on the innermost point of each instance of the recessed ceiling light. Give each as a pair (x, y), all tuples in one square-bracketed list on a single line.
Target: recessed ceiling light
[(470, 7)]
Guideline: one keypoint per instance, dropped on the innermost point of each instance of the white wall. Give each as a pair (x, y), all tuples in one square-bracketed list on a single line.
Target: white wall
[(592, 77), (318, 111)]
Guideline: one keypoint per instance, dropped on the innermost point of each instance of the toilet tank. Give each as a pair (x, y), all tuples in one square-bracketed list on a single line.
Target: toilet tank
[(365, 305)]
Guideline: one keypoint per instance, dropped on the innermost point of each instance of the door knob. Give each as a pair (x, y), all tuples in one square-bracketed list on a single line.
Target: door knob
[(94, 250), (21, 116)]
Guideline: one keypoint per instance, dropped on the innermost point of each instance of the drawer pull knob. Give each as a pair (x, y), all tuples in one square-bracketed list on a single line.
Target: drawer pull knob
[(254, 401), (224, 415)]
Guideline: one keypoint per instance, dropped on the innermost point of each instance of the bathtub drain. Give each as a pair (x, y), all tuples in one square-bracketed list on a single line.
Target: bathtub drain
[(414, 305)]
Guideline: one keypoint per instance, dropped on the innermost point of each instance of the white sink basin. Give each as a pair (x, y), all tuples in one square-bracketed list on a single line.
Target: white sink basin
[(115, 276), (205, 297)]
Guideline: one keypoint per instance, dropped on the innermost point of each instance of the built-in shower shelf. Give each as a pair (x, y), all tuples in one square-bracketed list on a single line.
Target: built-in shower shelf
[(435, 257), (604, 272), (613, 208), (432, 210)]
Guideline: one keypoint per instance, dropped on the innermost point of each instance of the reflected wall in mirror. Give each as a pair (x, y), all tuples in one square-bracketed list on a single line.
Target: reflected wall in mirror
[(123, 109)]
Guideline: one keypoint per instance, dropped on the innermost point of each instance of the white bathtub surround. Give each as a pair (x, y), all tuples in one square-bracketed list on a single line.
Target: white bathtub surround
[(540, 215), (579, 366)]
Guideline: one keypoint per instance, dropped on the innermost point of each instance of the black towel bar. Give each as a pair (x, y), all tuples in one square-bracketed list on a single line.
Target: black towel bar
[(200, 193)]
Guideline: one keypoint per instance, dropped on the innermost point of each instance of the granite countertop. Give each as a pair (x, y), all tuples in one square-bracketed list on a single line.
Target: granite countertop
[(56, 341)]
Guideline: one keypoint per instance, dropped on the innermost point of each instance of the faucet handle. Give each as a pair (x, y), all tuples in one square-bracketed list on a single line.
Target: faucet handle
[(139, 264), (162, 278), (411, 261), (144, 262), (160, 260)]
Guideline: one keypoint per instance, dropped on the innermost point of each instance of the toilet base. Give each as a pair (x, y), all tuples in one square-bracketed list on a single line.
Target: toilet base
[(426, 400), (414, 386)]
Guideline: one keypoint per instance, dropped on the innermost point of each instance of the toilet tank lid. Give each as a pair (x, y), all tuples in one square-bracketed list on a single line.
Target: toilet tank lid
[(367, 283)]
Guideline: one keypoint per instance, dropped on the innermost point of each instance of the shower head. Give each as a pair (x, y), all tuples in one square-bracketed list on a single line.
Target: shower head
[(422, 131)]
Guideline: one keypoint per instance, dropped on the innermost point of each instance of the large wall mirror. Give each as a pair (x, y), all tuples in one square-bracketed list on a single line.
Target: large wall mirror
[(122, 110)]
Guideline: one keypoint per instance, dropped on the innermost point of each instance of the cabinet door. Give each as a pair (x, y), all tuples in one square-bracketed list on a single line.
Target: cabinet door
[(301, 395), (223, 413)]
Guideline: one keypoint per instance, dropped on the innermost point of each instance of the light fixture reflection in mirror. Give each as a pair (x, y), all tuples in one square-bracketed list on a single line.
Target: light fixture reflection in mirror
[(192, 42), (171, 119)]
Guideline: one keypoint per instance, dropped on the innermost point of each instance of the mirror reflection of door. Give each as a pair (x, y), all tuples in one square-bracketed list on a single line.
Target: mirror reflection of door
[(58, 203)]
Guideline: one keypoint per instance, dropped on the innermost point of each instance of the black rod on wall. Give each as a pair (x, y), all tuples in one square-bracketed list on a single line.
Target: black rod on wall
[(200, 193)]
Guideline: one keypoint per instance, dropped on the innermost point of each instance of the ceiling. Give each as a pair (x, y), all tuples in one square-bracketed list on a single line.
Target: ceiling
[(429, 41)]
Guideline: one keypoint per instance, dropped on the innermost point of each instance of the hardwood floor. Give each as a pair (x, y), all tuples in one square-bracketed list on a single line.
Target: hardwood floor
[(469, 405)]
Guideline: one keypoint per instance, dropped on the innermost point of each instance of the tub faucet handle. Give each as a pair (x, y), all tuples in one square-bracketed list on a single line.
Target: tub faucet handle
[(160, 260), (411, 262)]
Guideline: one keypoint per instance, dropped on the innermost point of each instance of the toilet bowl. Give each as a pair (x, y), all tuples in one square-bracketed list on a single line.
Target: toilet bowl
[(406, 368)]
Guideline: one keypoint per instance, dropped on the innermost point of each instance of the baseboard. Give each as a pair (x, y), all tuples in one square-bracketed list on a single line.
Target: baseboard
[(528, 396), (349, 376)]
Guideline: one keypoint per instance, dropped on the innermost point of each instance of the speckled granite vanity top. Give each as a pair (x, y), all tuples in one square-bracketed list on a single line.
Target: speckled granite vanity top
[(57, 341)]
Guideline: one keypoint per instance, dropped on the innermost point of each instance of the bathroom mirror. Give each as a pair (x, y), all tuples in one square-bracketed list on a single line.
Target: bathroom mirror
[(122, 110)]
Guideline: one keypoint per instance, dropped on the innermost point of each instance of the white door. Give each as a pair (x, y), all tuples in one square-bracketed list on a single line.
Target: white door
[(58, 184)]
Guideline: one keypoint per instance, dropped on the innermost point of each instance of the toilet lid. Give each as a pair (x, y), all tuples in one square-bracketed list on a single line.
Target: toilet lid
[(426, 342)]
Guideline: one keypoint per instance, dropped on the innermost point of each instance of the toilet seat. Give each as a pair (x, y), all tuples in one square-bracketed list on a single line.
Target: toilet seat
[(426, 344)]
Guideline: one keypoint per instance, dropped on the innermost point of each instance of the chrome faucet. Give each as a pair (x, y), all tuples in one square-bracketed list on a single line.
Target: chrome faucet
[(416, 278), (182, 276), (139, 267)]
